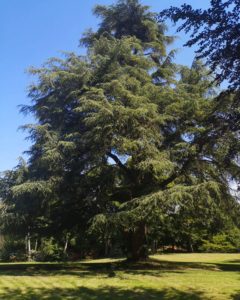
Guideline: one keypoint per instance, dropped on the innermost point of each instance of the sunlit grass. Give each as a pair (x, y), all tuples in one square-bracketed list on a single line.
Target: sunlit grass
[(173, 276), (200, 257)]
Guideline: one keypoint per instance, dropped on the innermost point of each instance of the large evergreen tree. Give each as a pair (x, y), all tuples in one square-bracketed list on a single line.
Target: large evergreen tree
[(121, 141)]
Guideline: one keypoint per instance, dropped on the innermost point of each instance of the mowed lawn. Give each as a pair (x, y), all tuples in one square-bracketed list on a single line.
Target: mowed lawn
[(173, 276)]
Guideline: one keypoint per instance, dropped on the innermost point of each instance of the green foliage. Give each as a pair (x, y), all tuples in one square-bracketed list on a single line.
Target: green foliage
[(49, 250), (223, 242), (13, 250)]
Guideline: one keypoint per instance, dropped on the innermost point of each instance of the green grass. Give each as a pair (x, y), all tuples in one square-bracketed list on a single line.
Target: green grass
[(172, 277)]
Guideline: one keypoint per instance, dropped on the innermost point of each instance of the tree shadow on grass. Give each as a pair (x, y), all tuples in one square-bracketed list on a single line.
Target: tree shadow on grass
[(87, 269), (153, 267), (103, 293), (156, 266), (225, 266), (236, 296), (229, 267), (234, 261)]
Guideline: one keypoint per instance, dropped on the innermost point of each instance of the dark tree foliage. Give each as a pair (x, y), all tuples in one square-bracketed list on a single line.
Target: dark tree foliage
[(216, 31)]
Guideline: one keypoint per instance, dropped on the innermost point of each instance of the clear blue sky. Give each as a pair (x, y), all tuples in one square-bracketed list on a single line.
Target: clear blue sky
[(31, 32)]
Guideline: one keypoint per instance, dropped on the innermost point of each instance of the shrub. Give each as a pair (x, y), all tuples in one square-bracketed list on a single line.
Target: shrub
[(49, 251), (13, 250), (223, 242)]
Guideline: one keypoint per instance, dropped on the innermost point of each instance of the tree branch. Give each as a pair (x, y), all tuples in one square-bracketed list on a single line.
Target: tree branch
[(117, 161)]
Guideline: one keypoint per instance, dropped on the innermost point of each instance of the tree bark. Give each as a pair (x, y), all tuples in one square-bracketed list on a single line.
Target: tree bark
[(36, 245), (190, 247), (28, 246), (154, 246), (66, 245), (137, 243), (107, 246)]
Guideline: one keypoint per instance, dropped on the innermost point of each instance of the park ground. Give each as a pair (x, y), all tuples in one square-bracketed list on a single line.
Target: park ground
[(171, 276)]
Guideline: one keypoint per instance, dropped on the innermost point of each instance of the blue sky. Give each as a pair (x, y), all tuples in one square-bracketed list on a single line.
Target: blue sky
[(31, 32)]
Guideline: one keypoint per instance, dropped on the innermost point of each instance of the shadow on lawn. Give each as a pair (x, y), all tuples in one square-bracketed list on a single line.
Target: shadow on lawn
[(104, 293), (236, 296), (234, 261), (153, 267)]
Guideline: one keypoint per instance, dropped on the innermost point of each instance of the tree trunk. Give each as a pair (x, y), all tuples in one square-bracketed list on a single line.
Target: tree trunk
[(190, 247), (154, 246), (107, 246), (66, 245), (36, 245), (136, 243), (28, 246)]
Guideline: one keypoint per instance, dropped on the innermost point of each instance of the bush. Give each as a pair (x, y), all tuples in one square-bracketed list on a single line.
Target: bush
[(49, 251), (223, 242), (13, 250)]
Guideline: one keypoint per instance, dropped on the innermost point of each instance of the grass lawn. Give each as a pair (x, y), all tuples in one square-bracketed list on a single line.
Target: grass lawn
[(173, 276)]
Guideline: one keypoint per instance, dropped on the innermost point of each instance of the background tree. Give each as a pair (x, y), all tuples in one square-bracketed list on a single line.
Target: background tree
[(216, 31)]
